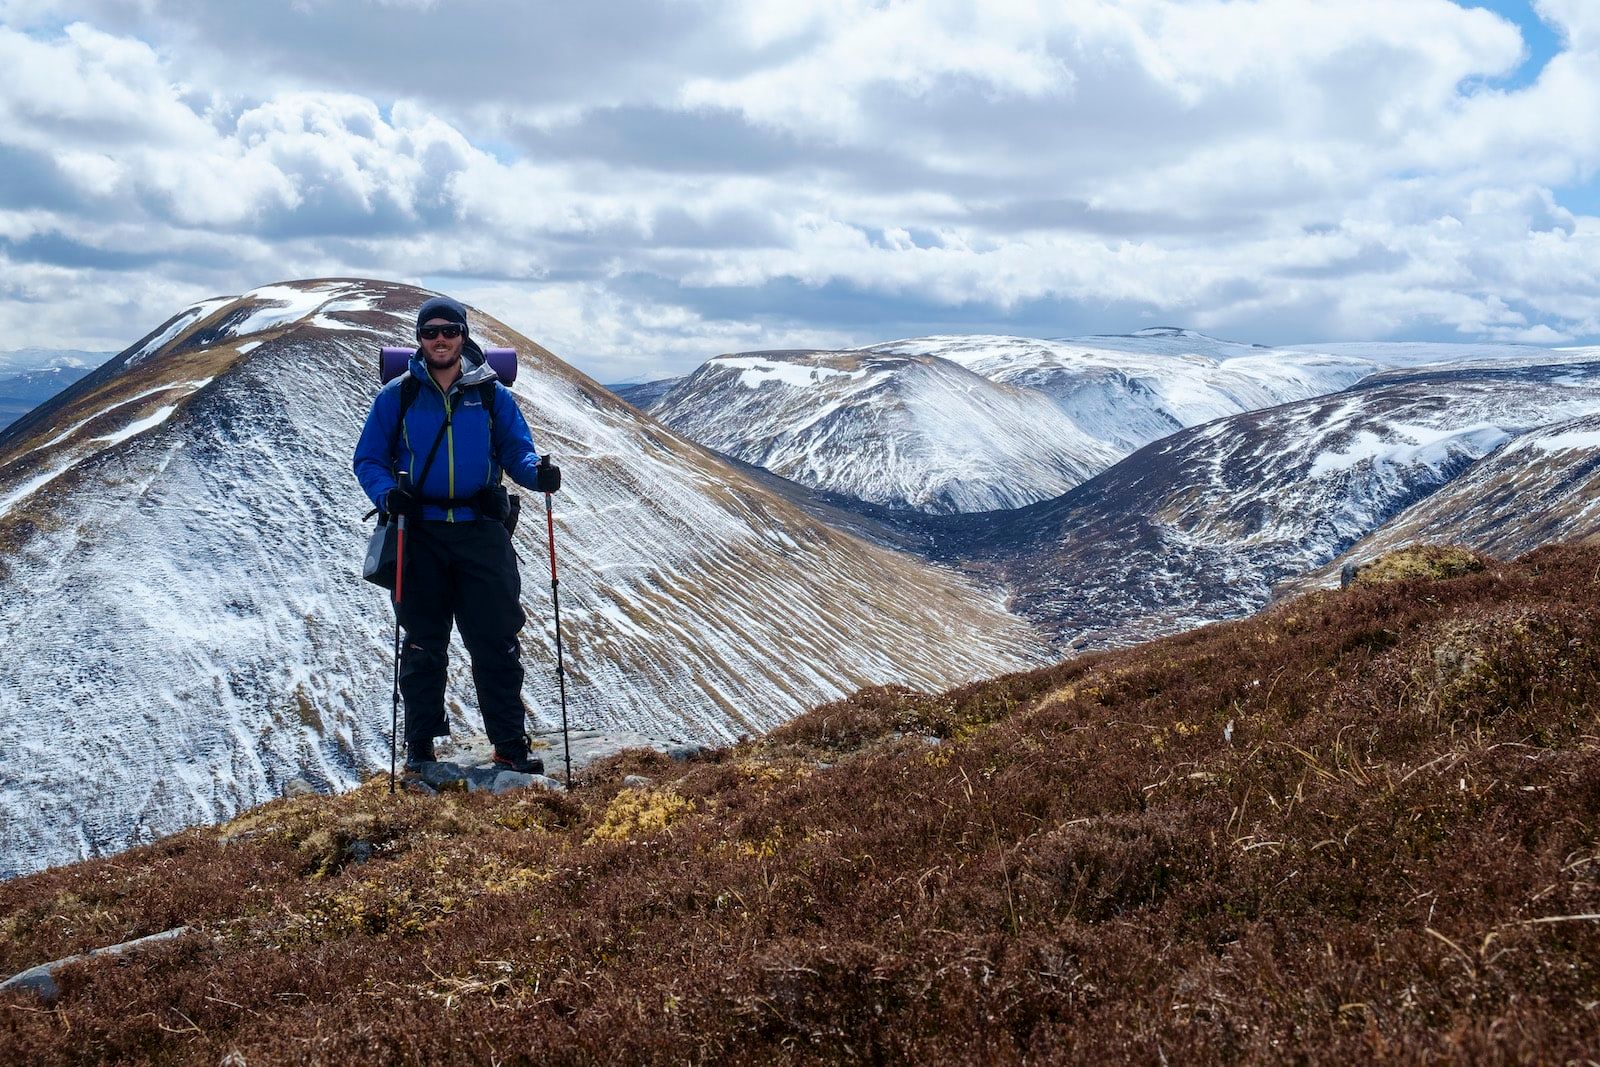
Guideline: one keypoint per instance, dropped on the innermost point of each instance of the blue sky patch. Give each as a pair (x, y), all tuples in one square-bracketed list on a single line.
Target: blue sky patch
[(1539, 40)]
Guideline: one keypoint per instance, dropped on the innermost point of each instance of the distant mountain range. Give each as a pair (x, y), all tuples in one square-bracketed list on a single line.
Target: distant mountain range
[(959, 424), (30, 376), (1497, 447)]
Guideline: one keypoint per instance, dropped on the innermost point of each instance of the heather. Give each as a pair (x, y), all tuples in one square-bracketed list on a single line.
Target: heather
[(1360, 825)]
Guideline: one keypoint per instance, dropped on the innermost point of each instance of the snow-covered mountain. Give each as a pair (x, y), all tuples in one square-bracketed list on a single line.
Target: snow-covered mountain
[(974, 423), (186, 627), (1544, 486), (1129, 391), (32, 360), (30, 376), (1203, 524), (642, 394), (893, 429)]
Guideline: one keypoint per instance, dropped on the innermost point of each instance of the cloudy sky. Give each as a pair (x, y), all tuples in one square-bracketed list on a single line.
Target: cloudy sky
[(642, 184)]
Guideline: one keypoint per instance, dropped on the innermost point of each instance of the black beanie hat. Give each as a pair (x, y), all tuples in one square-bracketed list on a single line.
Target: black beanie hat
[(442, 307)]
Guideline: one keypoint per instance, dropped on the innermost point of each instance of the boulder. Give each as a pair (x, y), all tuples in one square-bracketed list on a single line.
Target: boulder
[(442, 775), (506, 781), (41, 979)]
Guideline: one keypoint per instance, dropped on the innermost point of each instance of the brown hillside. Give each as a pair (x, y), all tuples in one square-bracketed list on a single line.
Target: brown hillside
[(1391, 854)]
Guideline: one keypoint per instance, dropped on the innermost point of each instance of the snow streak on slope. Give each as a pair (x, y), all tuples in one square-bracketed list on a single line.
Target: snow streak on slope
[(187, 628), (1201, 525), (898, 430)]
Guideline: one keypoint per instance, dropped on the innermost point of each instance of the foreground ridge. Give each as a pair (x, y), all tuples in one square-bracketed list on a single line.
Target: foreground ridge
[(1360, 824)]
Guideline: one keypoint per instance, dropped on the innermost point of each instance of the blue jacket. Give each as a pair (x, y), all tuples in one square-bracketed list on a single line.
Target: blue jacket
[(467, 459)]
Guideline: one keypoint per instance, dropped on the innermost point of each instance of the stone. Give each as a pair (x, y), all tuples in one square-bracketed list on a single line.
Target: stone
[(299, 787), (506, 781), (637, 781), (686, 751), (441, 775), (41, 979)]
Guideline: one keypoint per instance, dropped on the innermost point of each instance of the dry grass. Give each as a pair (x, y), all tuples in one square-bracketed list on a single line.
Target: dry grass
[(1362, 825), (1429, 562)]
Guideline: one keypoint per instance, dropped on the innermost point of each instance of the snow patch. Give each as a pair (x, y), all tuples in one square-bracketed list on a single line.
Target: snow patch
[(133, 429), (179, 324), (1563, 442), (1416, 445), (282, 304), (758, 372)]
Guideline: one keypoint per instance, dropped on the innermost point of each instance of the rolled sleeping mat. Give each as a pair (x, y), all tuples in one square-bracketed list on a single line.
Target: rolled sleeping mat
[(392, 362)]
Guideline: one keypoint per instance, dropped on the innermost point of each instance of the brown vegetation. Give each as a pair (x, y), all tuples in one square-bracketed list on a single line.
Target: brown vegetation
[(1362, 825)]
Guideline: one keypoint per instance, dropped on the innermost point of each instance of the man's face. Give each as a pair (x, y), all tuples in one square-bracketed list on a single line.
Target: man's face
[(441, 350)]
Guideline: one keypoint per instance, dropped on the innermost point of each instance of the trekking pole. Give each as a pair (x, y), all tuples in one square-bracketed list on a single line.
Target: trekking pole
[(555, 598), (399, 586)]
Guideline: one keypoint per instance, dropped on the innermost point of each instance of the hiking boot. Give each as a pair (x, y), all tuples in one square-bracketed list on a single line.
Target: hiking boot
[(513, 756), (419, 752)]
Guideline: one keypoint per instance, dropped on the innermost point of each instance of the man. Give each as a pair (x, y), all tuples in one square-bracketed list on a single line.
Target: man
[(460, 429)]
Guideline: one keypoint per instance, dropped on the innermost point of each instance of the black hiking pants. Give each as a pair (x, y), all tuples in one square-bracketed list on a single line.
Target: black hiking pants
[(465, 573)]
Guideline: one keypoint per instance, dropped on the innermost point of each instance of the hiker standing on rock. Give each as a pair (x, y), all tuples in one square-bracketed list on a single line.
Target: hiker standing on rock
[(453, 427)]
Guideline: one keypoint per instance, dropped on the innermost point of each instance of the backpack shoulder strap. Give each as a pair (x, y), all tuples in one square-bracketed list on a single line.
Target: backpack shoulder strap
[(409, 388), (486, 392)]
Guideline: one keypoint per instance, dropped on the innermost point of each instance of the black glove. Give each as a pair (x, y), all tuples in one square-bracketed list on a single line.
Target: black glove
[(549, 476), (402, 502)]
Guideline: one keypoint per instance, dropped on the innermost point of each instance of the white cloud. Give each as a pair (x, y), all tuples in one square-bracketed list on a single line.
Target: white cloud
[(656, 180), (615, 339), (90, 88), (1578, 21)]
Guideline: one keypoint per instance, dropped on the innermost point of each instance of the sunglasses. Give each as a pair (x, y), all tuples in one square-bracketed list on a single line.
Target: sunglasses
[(428, 333)]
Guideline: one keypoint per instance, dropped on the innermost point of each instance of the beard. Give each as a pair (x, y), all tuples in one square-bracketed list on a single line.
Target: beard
[(443, 360)]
